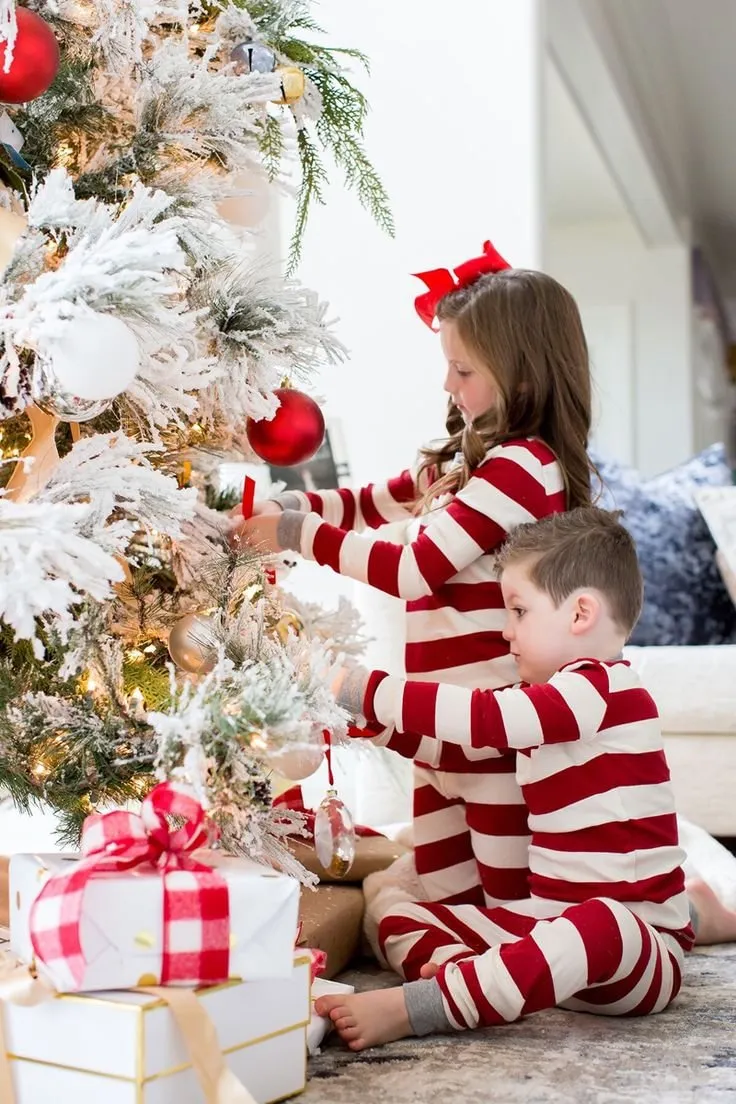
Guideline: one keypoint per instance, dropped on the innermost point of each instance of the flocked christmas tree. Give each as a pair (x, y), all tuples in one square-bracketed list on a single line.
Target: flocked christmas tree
[(136, 342)]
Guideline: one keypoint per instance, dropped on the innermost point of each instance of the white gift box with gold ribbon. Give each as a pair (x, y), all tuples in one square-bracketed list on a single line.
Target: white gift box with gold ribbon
[(125, 1047), (122, 920)]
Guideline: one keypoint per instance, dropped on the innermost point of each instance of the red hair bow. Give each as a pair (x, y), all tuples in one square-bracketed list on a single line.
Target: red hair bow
[(440, 282)]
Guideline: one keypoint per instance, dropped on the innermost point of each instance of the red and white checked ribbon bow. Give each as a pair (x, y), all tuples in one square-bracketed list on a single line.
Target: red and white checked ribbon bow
[(196, 921)]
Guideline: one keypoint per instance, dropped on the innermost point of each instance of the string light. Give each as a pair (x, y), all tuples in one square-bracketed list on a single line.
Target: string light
[(150, 649), (137, 704), (135, 655), (40, 769), (64, 156)]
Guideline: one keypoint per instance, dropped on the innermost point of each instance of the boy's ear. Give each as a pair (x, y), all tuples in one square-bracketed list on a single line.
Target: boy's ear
[(585, 612)]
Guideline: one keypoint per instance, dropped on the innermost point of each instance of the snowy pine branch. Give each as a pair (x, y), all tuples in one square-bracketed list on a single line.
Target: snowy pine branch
[(115, 475), (48, 565)]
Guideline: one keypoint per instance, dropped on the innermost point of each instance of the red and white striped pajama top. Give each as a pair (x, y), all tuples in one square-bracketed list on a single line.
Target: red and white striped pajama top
[(470, 831), (607, 921)]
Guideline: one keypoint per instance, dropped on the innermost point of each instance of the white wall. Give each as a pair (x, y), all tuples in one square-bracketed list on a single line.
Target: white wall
[(635, 303)]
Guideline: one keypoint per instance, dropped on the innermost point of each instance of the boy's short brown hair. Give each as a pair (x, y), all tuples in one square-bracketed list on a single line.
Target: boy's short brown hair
[(586, 547)]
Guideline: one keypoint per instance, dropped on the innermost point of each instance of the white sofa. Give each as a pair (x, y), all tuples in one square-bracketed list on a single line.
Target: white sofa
[(695, 691)]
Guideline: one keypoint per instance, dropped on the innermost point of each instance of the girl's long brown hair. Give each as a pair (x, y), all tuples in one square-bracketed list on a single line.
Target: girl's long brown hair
[(526, 328)]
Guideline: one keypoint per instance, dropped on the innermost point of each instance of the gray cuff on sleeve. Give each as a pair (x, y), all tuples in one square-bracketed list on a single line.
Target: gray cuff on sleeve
[(288, 501), (425, 1007), (289, 531), (351, 695)]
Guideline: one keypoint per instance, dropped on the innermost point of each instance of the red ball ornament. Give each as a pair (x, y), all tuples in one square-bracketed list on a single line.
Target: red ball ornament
[(293, 435), (35, 60)]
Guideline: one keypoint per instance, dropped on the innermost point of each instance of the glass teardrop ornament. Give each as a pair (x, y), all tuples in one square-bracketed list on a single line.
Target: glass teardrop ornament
[(334, 836)]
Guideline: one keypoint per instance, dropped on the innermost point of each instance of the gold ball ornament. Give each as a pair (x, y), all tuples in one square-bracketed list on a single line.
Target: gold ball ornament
[(192, 644), (288, 622), (292, 84)]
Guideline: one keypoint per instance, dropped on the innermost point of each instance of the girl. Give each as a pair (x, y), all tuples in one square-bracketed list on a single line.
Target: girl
[(518, 381)]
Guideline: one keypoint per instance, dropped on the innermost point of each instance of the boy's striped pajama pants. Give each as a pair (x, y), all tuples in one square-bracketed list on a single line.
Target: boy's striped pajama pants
[(499, 964)]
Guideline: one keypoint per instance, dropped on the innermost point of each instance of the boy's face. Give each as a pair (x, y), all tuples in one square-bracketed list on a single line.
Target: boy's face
[(540, 634)]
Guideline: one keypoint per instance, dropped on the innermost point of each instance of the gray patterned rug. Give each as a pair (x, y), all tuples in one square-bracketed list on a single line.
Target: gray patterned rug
[(684, 1056)]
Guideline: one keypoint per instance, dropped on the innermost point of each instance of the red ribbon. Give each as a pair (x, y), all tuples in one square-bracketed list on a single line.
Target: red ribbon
[(440, 282), (119, 841), (249, 494)]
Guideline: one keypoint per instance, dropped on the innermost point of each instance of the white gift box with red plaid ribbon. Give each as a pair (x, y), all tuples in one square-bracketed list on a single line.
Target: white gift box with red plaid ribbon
[(122, 922)]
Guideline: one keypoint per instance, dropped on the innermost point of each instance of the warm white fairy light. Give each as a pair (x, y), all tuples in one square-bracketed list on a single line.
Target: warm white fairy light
[(137, 702)]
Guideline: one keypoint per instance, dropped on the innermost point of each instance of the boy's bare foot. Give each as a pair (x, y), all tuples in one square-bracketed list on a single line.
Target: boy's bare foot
[(716, 923), (429, 970), (367, 1019)]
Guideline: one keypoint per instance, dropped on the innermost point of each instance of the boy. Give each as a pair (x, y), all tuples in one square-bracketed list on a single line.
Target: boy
[(606, 923)]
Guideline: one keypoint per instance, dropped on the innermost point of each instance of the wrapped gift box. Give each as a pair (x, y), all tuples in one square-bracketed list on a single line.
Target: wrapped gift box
[(332, 921), (124, 1048), (121, 927), (372, 853)]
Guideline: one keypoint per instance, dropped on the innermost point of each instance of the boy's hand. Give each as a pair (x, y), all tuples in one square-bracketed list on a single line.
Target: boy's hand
[(337, 681), (349, 686)]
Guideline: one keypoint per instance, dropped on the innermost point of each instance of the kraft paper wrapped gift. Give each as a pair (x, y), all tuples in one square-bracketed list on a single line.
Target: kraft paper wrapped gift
[(122, 921), (124, 1048), (372, 853), (331, 920)]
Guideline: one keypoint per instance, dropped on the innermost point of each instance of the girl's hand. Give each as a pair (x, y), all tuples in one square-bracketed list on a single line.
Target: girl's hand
[(260, 532), (264, 508)]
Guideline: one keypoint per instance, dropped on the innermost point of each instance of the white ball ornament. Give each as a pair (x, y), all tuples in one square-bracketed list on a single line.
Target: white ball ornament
[(96, 356), (296, 761)]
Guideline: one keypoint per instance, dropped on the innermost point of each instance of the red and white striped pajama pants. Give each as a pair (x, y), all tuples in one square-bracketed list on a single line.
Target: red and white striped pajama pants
[(500, 964), (471, 836)]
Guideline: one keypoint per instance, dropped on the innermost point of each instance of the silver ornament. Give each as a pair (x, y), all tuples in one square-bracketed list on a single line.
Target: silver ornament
[(192, 644), (334, 836), (50, 395), (252, 57)]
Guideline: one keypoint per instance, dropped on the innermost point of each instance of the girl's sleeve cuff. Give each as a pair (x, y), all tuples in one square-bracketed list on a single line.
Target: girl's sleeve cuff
[(289, 532)]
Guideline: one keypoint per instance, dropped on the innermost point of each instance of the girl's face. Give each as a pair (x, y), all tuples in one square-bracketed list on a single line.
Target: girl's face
[(468, 382)]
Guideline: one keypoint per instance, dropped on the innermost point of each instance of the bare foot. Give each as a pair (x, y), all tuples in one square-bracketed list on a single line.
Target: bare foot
[(429, 970), (716, 923), (367, 1019)]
